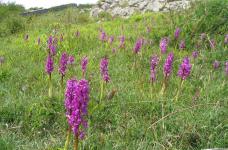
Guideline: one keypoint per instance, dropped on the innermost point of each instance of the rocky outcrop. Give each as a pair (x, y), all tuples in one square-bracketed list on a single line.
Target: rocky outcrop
[(125, 8)]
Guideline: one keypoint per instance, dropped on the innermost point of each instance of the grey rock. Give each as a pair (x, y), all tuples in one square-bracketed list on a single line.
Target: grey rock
[(143, 5), (134, 2), (178, 5), (127, 11), (105, 6), (123, 3), (109, 1), (95, 12), (125, 8), (154, 6)]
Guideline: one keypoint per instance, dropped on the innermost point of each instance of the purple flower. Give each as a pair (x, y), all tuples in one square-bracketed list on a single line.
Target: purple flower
[(212, 43), (52, 50), (163, 45), (104, 69), (103, 36), (138, 46), (216, 64), (84, 63), (71, 60), (185, 68), (38, 41), (55, 41), (182, 45), (167, 68), (122, 42), (177, 33), (76, 105), (49, 65), (226, 68), (195, 54), (153, 64), (50, 40), (63, 64), (226, 39), (111, 39)]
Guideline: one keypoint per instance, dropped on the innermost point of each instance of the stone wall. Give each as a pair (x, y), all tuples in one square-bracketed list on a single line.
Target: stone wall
[(125, 8), (43, 11)]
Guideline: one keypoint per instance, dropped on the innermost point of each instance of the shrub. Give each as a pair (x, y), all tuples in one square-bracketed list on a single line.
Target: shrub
[(208, 16), (15, 24), (105, 16), (11, 22)]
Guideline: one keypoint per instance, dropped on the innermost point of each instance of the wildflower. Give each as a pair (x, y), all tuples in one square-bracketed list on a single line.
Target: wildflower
[(195, 54), (167, 69), (122, 42), (138, 46), (163, 45), (182, 45), (212, 43), (50, 40), (55, 41), (111, 39), (226, 68), (103, 36), (63, 64), (153, 64), (38, 41), (216, 64), (104, 69), (177, 33), (76, 105), (49, 65), (226, 39), (184, 69), (71, 60), (52, 50), (84, 63)]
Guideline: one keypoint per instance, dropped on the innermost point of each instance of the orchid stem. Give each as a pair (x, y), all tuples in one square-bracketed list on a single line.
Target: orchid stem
[(67, 139), (76, 143), (83, 75), (179, 90), (50, 87), (164, 86), (162, 109), (151, 90), (102, 89), (62, 77)]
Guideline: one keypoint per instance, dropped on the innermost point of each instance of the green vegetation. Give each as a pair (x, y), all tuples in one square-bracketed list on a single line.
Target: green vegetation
[(130, 119), (11, 22)]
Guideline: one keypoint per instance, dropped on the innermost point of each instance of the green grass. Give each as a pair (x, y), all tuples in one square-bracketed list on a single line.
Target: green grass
[(30, 120)]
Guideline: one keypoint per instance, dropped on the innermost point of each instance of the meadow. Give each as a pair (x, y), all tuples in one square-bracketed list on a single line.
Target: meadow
[(138, 96)]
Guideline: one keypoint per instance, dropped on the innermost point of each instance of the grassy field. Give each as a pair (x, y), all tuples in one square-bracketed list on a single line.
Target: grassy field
[(132, 114)]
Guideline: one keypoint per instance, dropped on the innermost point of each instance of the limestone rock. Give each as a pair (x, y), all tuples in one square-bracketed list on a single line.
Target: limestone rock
[(95, 12), (125, 8)]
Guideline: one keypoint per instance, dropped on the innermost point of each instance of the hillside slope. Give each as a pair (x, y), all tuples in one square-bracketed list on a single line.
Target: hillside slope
[(133, 113)]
